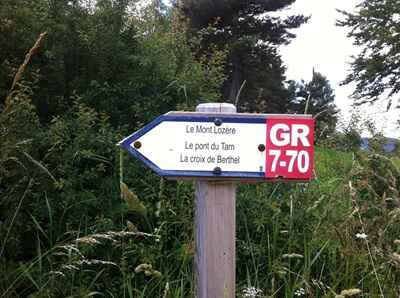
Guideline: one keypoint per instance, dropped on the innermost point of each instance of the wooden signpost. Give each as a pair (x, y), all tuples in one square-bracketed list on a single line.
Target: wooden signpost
[(218, 147)]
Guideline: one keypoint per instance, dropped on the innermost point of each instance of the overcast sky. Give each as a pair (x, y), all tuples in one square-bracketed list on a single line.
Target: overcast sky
[(324, 46), (320, 44)]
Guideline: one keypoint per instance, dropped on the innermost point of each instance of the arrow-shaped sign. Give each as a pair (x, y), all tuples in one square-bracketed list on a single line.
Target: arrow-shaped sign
[(247, 146)]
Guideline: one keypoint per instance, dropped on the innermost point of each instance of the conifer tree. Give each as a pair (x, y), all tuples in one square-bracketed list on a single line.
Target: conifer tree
[(251, 31), (317, 98)]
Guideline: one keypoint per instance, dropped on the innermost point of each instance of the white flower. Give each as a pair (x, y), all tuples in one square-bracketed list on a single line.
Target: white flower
[(252, 292), (361, 236), (300, 292)]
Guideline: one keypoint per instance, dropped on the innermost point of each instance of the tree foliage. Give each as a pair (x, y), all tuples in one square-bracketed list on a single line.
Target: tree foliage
[(316, 97), (251, 33), (120, 63), (103, 70), (375, 27)]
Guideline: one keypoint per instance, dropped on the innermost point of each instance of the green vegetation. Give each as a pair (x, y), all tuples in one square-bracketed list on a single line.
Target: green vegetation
[(250, 33), (79, 218), (316, 98), (375, 28)]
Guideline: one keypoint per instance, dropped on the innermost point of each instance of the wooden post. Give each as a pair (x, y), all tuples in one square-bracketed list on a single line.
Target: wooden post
[(215, 229)]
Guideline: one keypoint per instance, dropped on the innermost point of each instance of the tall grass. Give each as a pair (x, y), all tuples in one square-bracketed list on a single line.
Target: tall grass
[(336, 236)]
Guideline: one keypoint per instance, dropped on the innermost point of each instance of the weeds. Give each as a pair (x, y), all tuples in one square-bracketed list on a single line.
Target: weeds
[(70, 228), (337, 236)]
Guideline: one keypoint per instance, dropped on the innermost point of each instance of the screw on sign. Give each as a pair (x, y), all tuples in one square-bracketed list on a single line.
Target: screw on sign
[(226, 146), (290, 148)]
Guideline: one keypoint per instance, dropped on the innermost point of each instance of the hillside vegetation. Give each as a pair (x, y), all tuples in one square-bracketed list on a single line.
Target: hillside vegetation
[(80, 218)]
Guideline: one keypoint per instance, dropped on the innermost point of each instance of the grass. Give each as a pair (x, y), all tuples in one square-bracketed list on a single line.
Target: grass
[(293, 240)]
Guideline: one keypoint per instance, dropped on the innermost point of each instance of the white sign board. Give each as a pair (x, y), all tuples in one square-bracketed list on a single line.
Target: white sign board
[(205, 145)]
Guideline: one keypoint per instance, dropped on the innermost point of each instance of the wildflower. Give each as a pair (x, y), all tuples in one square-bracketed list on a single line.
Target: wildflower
[(361, 236), (156, 273), (252, 292), (143, 267), (350, 292), (148, 270), (300, 292)]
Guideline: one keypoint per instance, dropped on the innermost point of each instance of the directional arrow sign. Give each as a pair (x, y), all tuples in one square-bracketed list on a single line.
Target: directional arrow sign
[(246, 146)]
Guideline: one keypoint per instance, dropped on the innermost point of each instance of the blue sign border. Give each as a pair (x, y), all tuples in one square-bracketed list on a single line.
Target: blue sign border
[(191, 117)]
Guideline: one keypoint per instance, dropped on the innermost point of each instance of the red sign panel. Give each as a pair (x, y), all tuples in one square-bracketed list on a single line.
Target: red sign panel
[(290, 148)]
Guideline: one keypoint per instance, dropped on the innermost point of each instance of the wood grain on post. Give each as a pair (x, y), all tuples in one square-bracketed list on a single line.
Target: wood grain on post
[(215, 230)]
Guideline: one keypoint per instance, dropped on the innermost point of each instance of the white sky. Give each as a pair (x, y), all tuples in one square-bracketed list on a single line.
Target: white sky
[(324, 46)]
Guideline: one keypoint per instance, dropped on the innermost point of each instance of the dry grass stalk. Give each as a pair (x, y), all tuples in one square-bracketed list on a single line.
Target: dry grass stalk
[(112, 236), (396, 259), (134, 203), (350, 292), (22, 68)]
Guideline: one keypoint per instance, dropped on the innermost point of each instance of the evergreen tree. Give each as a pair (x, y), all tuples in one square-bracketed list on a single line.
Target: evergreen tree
[(316, 97), (375, 27), (251, 35)]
